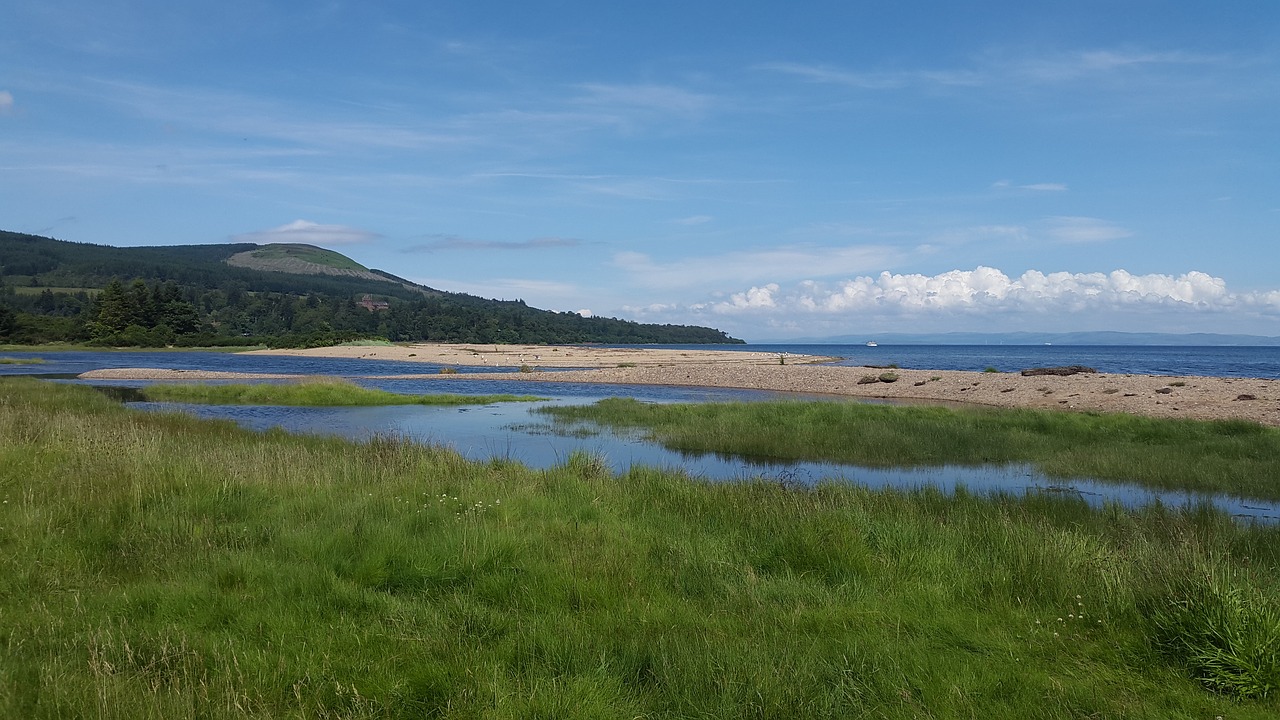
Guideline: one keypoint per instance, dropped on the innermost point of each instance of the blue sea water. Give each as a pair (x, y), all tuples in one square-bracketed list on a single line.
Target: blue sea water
[(1211, 361), (1214, 361)]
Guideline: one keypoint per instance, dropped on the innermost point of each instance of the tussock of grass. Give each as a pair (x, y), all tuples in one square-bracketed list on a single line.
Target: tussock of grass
[(22, 361), (155, 565), (1233, 457), (318, 392)]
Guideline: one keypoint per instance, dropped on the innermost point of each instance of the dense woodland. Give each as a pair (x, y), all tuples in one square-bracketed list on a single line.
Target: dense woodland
[(56, 291)]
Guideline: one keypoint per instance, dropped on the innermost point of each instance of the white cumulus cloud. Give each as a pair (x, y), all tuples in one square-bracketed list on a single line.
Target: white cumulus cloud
[(989, 289), (983, 299), (756, 297)]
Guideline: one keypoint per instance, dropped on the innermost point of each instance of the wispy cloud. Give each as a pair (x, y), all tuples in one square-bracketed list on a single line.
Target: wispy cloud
[(6, 102), (1037, 187), (305, 232), (693, 220), (453, 242), (1070, 66), (545, 294), (650, 99), (994, 68), (875, 80), (65, 220), (1073, 230), (787, 263), (250, 117)]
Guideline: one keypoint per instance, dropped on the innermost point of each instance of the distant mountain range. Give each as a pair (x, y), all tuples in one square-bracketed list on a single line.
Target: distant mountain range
[(1031, 338)]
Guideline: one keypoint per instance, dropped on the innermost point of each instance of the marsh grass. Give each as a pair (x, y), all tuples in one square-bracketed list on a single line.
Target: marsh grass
[(1226, 633), (1233, 457), (319, 391), (156, 565), (22, 361)]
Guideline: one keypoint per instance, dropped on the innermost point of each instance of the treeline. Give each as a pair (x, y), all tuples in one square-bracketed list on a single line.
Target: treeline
[(161, 314), (52, 291)]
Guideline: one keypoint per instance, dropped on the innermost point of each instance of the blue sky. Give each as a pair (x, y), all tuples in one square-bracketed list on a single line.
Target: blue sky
[(808, 169)]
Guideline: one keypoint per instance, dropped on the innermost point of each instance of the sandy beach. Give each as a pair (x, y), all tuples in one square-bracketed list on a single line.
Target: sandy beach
[(542, 356), (1204, 398)]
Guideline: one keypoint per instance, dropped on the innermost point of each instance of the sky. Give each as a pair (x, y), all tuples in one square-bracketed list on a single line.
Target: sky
[(792, 170)]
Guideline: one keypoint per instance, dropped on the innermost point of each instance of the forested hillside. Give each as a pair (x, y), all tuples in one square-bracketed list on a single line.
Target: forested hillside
[(56, 291)]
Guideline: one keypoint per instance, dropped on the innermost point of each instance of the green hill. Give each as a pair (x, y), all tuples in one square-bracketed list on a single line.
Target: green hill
[(57, 291)]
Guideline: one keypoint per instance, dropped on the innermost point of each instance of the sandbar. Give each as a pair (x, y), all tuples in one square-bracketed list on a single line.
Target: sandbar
[(544, 356), (1201, 398)]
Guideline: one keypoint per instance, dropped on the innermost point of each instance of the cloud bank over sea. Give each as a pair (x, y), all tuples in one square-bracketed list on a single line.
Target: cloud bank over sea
[(1117, 299)]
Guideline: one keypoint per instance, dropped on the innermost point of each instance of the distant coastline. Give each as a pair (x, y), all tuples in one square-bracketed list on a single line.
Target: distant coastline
[(1039, 338)]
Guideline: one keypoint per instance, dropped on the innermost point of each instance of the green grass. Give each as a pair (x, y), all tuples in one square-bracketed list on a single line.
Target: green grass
[(1233, 457), (159, 566), (317, 392), (22, 361)]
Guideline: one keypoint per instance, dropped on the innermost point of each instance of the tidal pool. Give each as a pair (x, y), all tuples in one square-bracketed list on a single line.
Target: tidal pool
[(510, 431)]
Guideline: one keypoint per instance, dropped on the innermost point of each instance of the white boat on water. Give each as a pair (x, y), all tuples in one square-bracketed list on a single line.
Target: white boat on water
[(872, 343)]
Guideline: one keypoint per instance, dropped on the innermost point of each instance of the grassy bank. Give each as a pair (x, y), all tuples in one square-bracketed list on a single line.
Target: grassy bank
[(159, 566), (1234, 457), (317, 392), (22, 361)]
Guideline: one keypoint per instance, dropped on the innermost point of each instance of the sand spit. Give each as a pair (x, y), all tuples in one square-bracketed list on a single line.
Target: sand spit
[(542, 356), (164, 374), (1203, 398)]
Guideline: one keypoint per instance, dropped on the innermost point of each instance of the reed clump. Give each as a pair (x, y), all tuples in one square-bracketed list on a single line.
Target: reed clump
[(22, 361), (157, 565)]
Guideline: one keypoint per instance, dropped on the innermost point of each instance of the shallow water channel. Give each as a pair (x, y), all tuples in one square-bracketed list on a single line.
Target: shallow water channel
[(511, 431)]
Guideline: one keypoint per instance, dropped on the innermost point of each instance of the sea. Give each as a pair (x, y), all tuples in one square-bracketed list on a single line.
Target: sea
[(1212, 361)]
